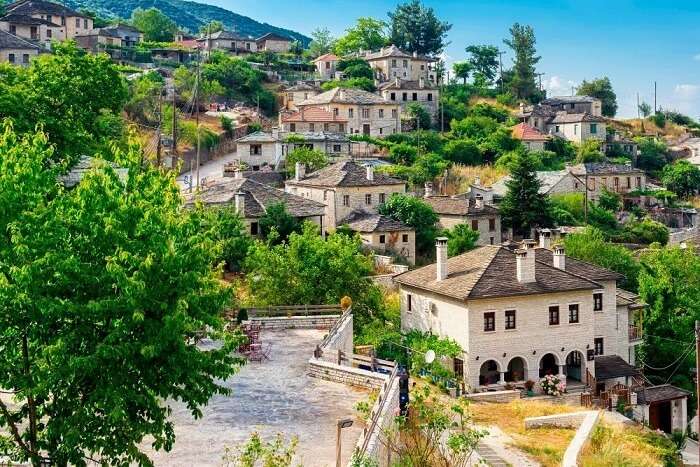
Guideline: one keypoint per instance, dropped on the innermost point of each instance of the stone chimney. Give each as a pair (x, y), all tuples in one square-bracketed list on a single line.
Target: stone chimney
[(238, 174), (397, 82), (525, 265), (299, 171), (545, 238), (479, 201), (240, 203), (370, 173), (477, 181), (428, 190), (522, 107), (559, 257), (421, 82), (441, 253)]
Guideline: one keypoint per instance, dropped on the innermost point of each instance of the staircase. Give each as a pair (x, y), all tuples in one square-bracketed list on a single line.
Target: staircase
[(489, 456)]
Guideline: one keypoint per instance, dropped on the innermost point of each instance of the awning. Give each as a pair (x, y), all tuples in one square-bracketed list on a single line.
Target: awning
[(660, 393), (613, 366)]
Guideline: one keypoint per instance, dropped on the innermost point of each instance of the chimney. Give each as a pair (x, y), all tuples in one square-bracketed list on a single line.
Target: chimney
[(397, 82), (559, 257), (238, 174), (545, 238), (240, 203), (479, 201), (428, 190), (299, 171), (522, 107), (301, 111), (415, 54), (441, 253), (525, 265), (370, 173), (477, 181), (421, 82)]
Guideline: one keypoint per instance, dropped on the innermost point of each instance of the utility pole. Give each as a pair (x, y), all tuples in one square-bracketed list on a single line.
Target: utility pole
[(654, 97), (160, 125), (174, 121), (639, 116), (500, 68), (697, 372)]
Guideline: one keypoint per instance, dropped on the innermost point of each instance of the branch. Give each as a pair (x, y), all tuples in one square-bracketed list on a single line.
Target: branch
[(14, 430)]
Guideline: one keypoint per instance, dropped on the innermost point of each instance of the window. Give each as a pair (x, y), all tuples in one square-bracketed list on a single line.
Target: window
[(255, 149), (415, 96), (365, 113), (572, 106), (638, 182), (34, 32), (49, 33), (382, 198), (341, 127), (77, 22), (335, 111), (573, 313), (491, 240), (556, 128), (489, 321), (492, 225), (510, 319), (292, 127), (253, 228), (381, 113), (49, 18), (594, 128), (576, 129), (337, 148), (409, 306), (85, 23), (598, 345), (597, 302), (616, 183), (368, 198), (393, 96), (475, 224), (629, 182), (326, 127), (404, 96), (11, 58), (381, 130), (346, 200), (394, 113), (25, 58), (393, 62), (312, 127), (430, 97), (325, 195), (404, 238), (382, 239), (458, 368), (63, 20), (554, 315), (328, 65), (604, 182), (405, 63), (13, 29), (351, 113)]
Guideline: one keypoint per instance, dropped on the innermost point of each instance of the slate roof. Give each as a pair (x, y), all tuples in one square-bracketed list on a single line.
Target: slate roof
[(257, 137), (226, 35), (105, 32), (660, 393), (322, 136), (257, 198), (271, 36), (563, 117), (313, 114), (580, 268), (301, 87), (267, 177), (344, 96), (345, 173), (32, 7), (393, 51), (10, 41), (547, 180), (366, 222), (613, 366), (28, 20), (525, 132), (629, 299), (598, 168), (558, 100), (406, 84), (490, 271), (457, 206), (84, 165), (326, 58)]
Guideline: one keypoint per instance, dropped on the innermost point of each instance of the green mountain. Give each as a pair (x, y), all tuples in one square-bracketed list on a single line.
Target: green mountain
[(187, 14)]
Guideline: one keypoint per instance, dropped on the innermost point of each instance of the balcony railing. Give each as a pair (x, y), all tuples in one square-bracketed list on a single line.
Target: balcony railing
[(635, 333)]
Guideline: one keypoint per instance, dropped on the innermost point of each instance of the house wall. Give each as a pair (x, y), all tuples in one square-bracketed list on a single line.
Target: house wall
[(595, 108), (383, 118), (291, 98), (612, 324), (333, 127), (485, 235), (598, 183), (25, 32), (326, 69), (330, 148), (275, 46), (430, 104), (409, 69), (393, 242), (19, 55), (533, 145), (317, 220), (268, 155), (578, 132), (76, 26)]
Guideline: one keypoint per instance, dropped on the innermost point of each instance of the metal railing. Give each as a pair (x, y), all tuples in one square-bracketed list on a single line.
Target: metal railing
[(377, 410), (334, 329), (635, 332)]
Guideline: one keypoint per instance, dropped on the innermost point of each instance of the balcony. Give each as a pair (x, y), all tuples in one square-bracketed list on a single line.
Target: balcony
[(635, 334)]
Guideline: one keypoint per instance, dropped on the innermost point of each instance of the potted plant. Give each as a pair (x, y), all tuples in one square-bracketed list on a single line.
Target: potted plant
[(529, 387)]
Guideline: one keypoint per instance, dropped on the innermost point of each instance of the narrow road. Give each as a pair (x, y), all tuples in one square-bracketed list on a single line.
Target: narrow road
[(208, 170)]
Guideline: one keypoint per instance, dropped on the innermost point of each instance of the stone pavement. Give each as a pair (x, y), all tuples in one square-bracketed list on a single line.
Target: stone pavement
[(270, 397)]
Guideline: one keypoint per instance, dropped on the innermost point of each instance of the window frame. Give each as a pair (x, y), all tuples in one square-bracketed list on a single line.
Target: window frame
[(489, 321), (558, 315), (510, 320), (598, 301), (596, 346), (577, 308)]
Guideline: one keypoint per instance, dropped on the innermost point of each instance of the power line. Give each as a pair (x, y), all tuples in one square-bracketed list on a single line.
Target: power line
[(679, 359)]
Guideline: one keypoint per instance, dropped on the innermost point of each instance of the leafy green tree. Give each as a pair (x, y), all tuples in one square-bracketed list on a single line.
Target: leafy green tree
[(96, 339), (355, 68), (499, 142), (682, 178), (647, 231), (211, 27), (610, 200), (566, 150), (460, 238), (477, 128), (226, 227), (522, 42), (645, 109), (603, 90), (367, 34), (653, 154), (524, 207), (366, 84), (277, 224), (484, 62), (496, 112), (321, 42), (70, 94), (403, 154), (416, 28), (144, 93), (463, 151), (418, 115), (415, 213), (313, 159), (462, 70), (589, 151), (154, 24)]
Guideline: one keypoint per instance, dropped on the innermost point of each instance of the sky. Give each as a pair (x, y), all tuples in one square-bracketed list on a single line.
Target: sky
[(634, 43)]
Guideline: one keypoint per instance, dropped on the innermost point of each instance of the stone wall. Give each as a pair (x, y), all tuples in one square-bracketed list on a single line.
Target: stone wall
[(375, 449), (494, 396), (329, 371), (342, 336), (296, 322), (584, 421)]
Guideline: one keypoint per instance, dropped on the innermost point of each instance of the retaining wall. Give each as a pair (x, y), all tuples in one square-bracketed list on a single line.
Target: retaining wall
[(296, 322), (585, 421), (342, 338), (494, 396), (323, 369)]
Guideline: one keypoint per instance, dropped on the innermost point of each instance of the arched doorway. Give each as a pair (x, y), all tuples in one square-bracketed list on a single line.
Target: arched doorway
[(517, 370), (489, 373), (549, 365), (574, 365)]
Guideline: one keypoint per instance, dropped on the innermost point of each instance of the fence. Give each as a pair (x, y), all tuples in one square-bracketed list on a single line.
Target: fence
[(293, 310), (383, 407)]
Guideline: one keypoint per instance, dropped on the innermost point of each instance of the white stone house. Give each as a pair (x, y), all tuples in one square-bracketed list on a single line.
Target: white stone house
[(575, 118), (326, 66), (478, 215), (70, 21), (37, 30), (299, 92), (391, 62), (404, 92), (604, 176), (519, 315), (230, 42), (15, 50), (309, 118), (577, 127), (343, 187), (383, 234), (259, 149)]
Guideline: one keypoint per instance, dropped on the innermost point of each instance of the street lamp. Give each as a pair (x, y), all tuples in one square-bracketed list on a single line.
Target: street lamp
[(342, 423)]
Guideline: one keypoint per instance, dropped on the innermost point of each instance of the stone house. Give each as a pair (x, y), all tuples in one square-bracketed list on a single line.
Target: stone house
[(100, 40), (552, 182), (73, 23), (520, 315), (481, 217), (326, 66), (426, 94), (330, 143), (274, 43), (616, 144), (298, 93), (577, 127), (575, 118), (366, 113), (663, 407), (383, 234), (129, 35), (229, 42), (15, 50), (604, 176), (312, 119), (344, 187), (259, 149), (575, 105), (532, 138), (37, 30), (251, 200), (391, 62)]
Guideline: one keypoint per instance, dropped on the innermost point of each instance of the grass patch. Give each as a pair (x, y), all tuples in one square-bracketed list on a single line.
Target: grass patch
[(627, 446), (459, 177)]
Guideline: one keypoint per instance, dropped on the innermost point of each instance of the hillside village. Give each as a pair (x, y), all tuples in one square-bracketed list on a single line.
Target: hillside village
[(259, 248)]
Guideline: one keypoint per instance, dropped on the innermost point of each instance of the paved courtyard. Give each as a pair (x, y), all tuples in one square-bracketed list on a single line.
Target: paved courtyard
[(271, 397)]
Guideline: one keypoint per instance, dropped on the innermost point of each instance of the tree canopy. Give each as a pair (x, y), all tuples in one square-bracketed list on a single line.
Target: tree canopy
[(416, 28), (415, 213), (321, 42), (603, 90), (154, 24), (367, 34), (277, 224), (522, 43), (682, 178), (460, 238), (484, 62)]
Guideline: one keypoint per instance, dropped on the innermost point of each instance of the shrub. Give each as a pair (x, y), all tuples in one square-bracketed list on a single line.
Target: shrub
[(552, 385), (463, 151)]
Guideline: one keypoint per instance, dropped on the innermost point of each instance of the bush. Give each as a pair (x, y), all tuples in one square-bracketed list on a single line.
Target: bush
[(500, 114), (648, 231), (403, 154), (552, 385), (463, 151), (506, 99)]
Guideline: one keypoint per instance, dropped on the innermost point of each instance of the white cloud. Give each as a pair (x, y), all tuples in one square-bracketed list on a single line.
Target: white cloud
[(556, 86), (696, 57), (687, 92)]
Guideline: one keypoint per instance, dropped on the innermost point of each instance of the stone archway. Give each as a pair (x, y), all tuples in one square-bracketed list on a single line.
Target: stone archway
[(517, 370), (575, 365), (549, 365), (490, 373)]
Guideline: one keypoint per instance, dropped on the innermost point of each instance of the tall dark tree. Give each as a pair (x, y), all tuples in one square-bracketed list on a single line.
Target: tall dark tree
[(603, 90), (484, 62), (278, 219), (416, 28), (462, 70), (524, 207), (522, 42)]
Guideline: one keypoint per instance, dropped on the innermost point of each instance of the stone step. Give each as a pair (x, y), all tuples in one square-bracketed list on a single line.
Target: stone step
[(490, 456)]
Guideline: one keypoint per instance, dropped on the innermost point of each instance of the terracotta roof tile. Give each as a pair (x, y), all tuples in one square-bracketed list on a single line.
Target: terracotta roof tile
[(314, 115), (525, 132)]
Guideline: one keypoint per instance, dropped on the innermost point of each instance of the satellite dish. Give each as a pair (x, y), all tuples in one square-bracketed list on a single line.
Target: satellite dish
[(430, 356)]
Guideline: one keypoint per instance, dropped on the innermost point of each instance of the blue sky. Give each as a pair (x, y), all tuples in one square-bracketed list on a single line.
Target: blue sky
[(632, 42)]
